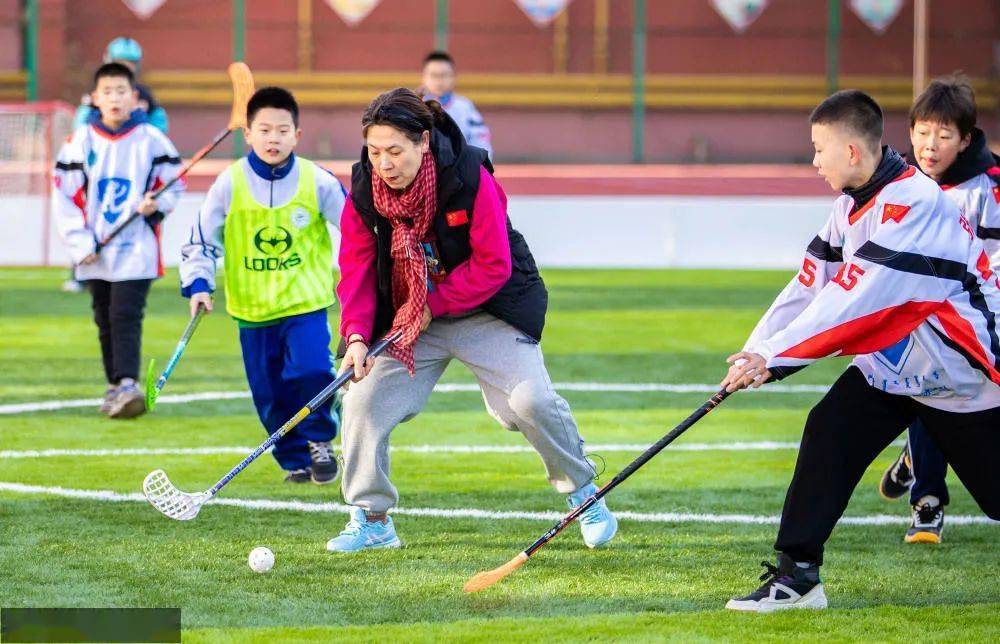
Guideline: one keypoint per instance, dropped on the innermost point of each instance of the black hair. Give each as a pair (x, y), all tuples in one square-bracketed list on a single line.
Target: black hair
[(402, 109), (439, 55), (947, 100), (855, 110), (114, 70), (276, 97)]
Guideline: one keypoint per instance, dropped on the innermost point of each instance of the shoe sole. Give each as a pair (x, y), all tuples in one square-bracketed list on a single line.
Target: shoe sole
[(891, 497), (131, 409), (395, 543), (922, 537), (885, 494), (886, 476), (815, 599), (328, 481)]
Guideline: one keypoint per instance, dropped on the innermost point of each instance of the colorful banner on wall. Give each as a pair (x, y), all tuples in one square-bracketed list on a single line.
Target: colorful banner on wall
[(144, 8), (877, 14), (740, 13), (353, 11), (542, 12)]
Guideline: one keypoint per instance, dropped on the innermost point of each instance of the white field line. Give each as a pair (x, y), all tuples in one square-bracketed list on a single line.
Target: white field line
[(413, 449), (738, 446), (470, 513), (607, 387)]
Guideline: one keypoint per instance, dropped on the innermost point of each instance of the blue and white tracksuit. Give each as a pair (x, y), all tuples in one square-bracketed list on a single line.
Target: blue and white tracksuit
[(288, 360), (469, 120)]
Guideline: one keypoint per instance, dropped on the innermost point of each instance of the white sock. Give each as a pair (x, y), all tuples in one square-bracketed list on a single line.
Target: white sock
[(930, 500)]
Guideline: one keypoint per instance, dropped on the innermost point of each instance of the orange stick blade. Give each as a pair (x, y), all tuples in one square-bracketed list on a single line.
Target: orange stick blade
[(483, 580), (243, 89)]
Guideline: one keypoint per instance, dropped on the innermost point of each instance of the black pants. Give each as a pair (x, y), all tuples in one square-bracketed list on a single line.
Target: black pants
[(928, 465), (848, 429), (118, 311)]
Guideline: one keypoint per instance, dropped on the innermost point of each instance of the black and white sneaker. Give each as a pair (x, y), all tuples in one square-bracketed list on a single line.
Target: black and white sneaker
[(325, 469), (785, 586), (928, 522), (302, 475), (897, 480)]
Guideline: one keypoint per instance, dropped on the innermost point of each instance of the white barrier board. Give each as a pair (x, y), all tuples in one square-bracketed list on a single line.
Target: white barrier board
[(571, 231)]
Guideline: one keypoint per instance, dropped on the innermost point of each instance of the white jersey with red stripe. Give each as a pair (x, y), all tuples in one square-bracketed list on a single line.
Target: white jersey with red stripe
[(99, 180), (979, 200), (903, 284)]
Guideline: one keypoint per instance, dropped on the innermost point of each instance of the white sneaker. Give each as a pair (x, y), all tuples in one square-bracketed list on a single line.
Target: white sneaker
[(786, 586)]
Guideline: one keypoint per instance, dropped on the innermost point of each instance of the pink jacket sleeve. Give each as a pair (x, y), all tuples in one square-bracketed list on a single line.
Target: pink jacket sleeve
[(356, 290), (478, 278)]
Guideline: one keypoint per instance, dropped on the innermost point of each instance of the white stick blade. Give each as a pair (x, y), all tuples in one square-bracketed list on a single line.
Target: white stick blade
[(166, 498)]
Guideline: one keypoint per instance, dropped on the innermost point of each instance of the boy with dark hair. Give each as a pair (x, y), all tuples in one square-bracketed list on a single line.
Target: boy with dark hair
[(438, 82), (267, 214), (107, 170), (951, 150), (896, 278)]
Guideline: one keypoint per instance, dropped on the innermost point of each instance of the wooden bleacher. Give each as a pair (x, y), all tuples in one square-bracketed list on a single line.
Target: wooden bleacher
[(573, 91)]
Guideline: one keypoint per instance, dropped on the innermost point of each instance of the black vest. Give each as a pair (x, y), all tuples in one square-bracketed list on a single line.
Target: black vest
[(521, 302)]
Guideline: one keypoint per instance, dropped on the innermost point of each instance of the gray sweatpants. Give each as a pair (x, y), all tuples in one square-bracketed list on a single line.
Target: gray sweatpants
[(515, 386)]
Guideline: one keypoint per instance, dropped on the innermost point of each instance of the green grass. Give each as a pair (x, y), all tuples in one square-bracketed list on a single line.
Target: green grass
[(657, 582)]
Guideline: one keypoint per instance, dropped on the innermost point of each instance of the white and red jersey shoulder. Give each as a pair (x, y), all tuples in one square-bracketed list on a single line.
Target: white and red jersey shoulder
[(979, 200), (903, 283)]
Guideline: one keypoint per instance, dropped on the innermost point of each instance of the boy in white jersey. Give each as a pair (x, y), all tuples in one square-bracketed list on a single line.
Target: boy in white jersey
[(951, 150), (107, 170), (897, 278)]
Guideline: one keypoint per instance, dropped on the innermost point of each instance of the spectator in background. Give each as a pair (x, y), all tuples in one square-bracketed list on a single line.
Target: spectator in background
[(438, 83), (127, 52)]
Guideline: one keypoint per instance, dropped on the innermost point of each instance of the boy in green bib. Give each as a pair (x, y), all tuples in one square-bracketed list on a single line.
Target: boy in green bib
[(266, 216)]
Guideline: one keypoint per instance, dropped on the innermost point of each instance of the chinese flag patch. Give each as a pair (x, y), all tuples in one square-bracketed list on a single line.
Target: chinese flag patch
[(457, 217), (996, 193), (983, 266), (894, 212)]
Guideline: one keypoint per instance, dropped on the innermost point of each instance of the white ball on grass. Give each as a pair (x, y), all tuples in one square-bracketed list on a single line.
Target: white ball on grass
[(261, 559)]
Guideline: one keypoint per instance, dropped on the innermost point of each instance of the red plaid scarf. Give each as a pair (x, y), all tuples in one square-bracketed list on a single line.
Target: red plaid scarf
[(411, 212)]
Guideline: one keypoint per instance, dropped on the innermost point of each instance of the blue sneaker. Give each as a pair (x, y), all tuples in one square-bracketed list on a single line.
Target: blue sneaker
[(362, 534), (597, 524)]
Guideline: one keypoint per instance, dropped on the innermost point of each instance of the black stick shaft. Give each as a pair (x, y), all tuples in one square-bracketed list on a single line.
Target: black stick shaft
[(329, 390), (201, 154), (630, 469), (310, 407)]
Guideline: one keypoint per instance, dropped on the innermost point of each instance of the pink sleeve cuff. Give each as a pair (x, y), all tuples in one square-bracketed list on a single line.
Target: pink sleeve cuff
[(436, 304)]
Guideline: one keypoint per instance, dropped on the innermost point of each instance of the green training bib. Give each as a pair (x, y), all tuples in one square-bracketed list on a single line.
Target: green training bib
[(279, 261)]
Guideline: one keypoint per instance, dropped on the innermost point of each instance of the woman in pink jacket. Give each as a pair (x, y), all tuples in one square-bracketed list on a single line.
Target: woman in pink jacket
[(427, 250)]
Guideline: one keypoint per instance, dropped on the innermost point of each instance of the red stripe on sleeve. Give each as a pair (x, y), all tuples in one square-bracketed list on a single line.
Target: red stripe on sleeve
[(80, 200), (961, 332), (160, 268), (865, 334)]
